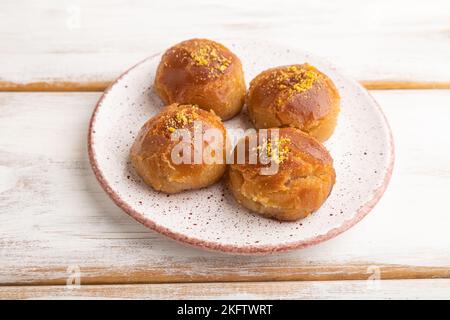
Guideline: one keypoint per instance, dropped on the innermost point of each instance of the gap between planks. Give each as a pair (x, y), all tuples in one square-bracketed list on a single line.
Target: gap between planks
[(95, 86), (185, 274)]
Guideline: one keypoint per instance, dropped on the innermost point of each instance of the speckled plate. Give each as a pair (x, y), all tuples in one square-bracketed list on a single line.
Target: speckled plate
[(361, 146)]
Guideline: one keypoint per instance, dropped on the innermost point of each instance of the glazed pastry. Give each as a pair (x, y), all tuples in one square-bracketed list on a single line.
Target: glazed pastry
[(202, 72), (297, 96), (300, 184), (158, 158)]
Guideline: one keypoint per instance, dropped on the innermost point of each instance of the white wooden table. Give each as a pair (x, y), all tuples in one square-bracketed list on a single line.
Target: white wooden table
[(57, 224)]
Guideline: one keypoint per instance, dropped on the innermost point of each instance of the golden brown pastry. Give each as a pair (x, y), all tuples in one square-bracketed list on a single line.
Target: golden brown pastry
[(153, 153), (202, 72), (301, 184), (297, 96)]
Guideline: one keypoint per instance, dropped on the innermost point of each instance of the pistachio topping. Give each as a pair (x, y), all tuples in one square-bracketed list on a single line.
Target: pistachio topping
[(292, 80), (181, 119), (209, 56), (277, 150)]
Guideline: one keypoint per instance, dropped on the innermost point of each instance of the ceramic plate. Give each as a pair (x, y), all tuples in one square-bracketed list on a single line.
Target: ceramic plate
[(361, 146)]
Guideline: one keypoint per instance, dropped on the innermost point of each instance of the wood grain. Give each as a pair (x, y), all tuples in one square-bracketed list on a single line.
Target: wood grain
[(404, 85), (55, 217), (54, 86), (93, 86), (222, 270), (388, 289), (82, 45)]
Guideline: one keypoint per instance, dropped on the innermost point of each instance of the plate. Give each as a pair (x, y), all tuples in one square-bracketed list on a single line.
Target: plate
[(362, 148)]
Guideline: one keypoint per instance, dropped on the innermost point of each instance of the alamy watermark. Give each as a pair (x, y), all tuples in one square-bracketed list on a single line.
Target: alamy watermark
[(210, 146), (373, 282), (74, 277)]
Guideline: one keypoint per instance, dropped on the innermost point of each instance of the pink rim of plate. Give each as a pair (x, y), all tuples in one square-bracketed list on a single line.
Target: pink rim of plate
[(211, 245)]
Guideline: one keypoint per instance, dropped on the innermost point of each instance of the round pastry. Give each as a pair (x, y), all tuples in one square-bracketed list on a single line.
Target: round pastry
[(297, 96), (299, 182), (202, 72), (164, 153)]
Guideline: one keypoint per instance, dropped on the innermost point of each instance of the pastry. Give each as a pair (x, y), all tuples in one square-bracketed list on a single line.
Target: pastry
[(170, 165), (297, 96), (202, 72), (301, 181)]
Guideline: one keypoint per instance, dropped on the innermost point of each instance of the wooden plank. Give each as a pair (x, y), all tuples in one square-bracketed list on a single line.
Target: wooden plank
[(387, 289), (55, 218), (83, 45)]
